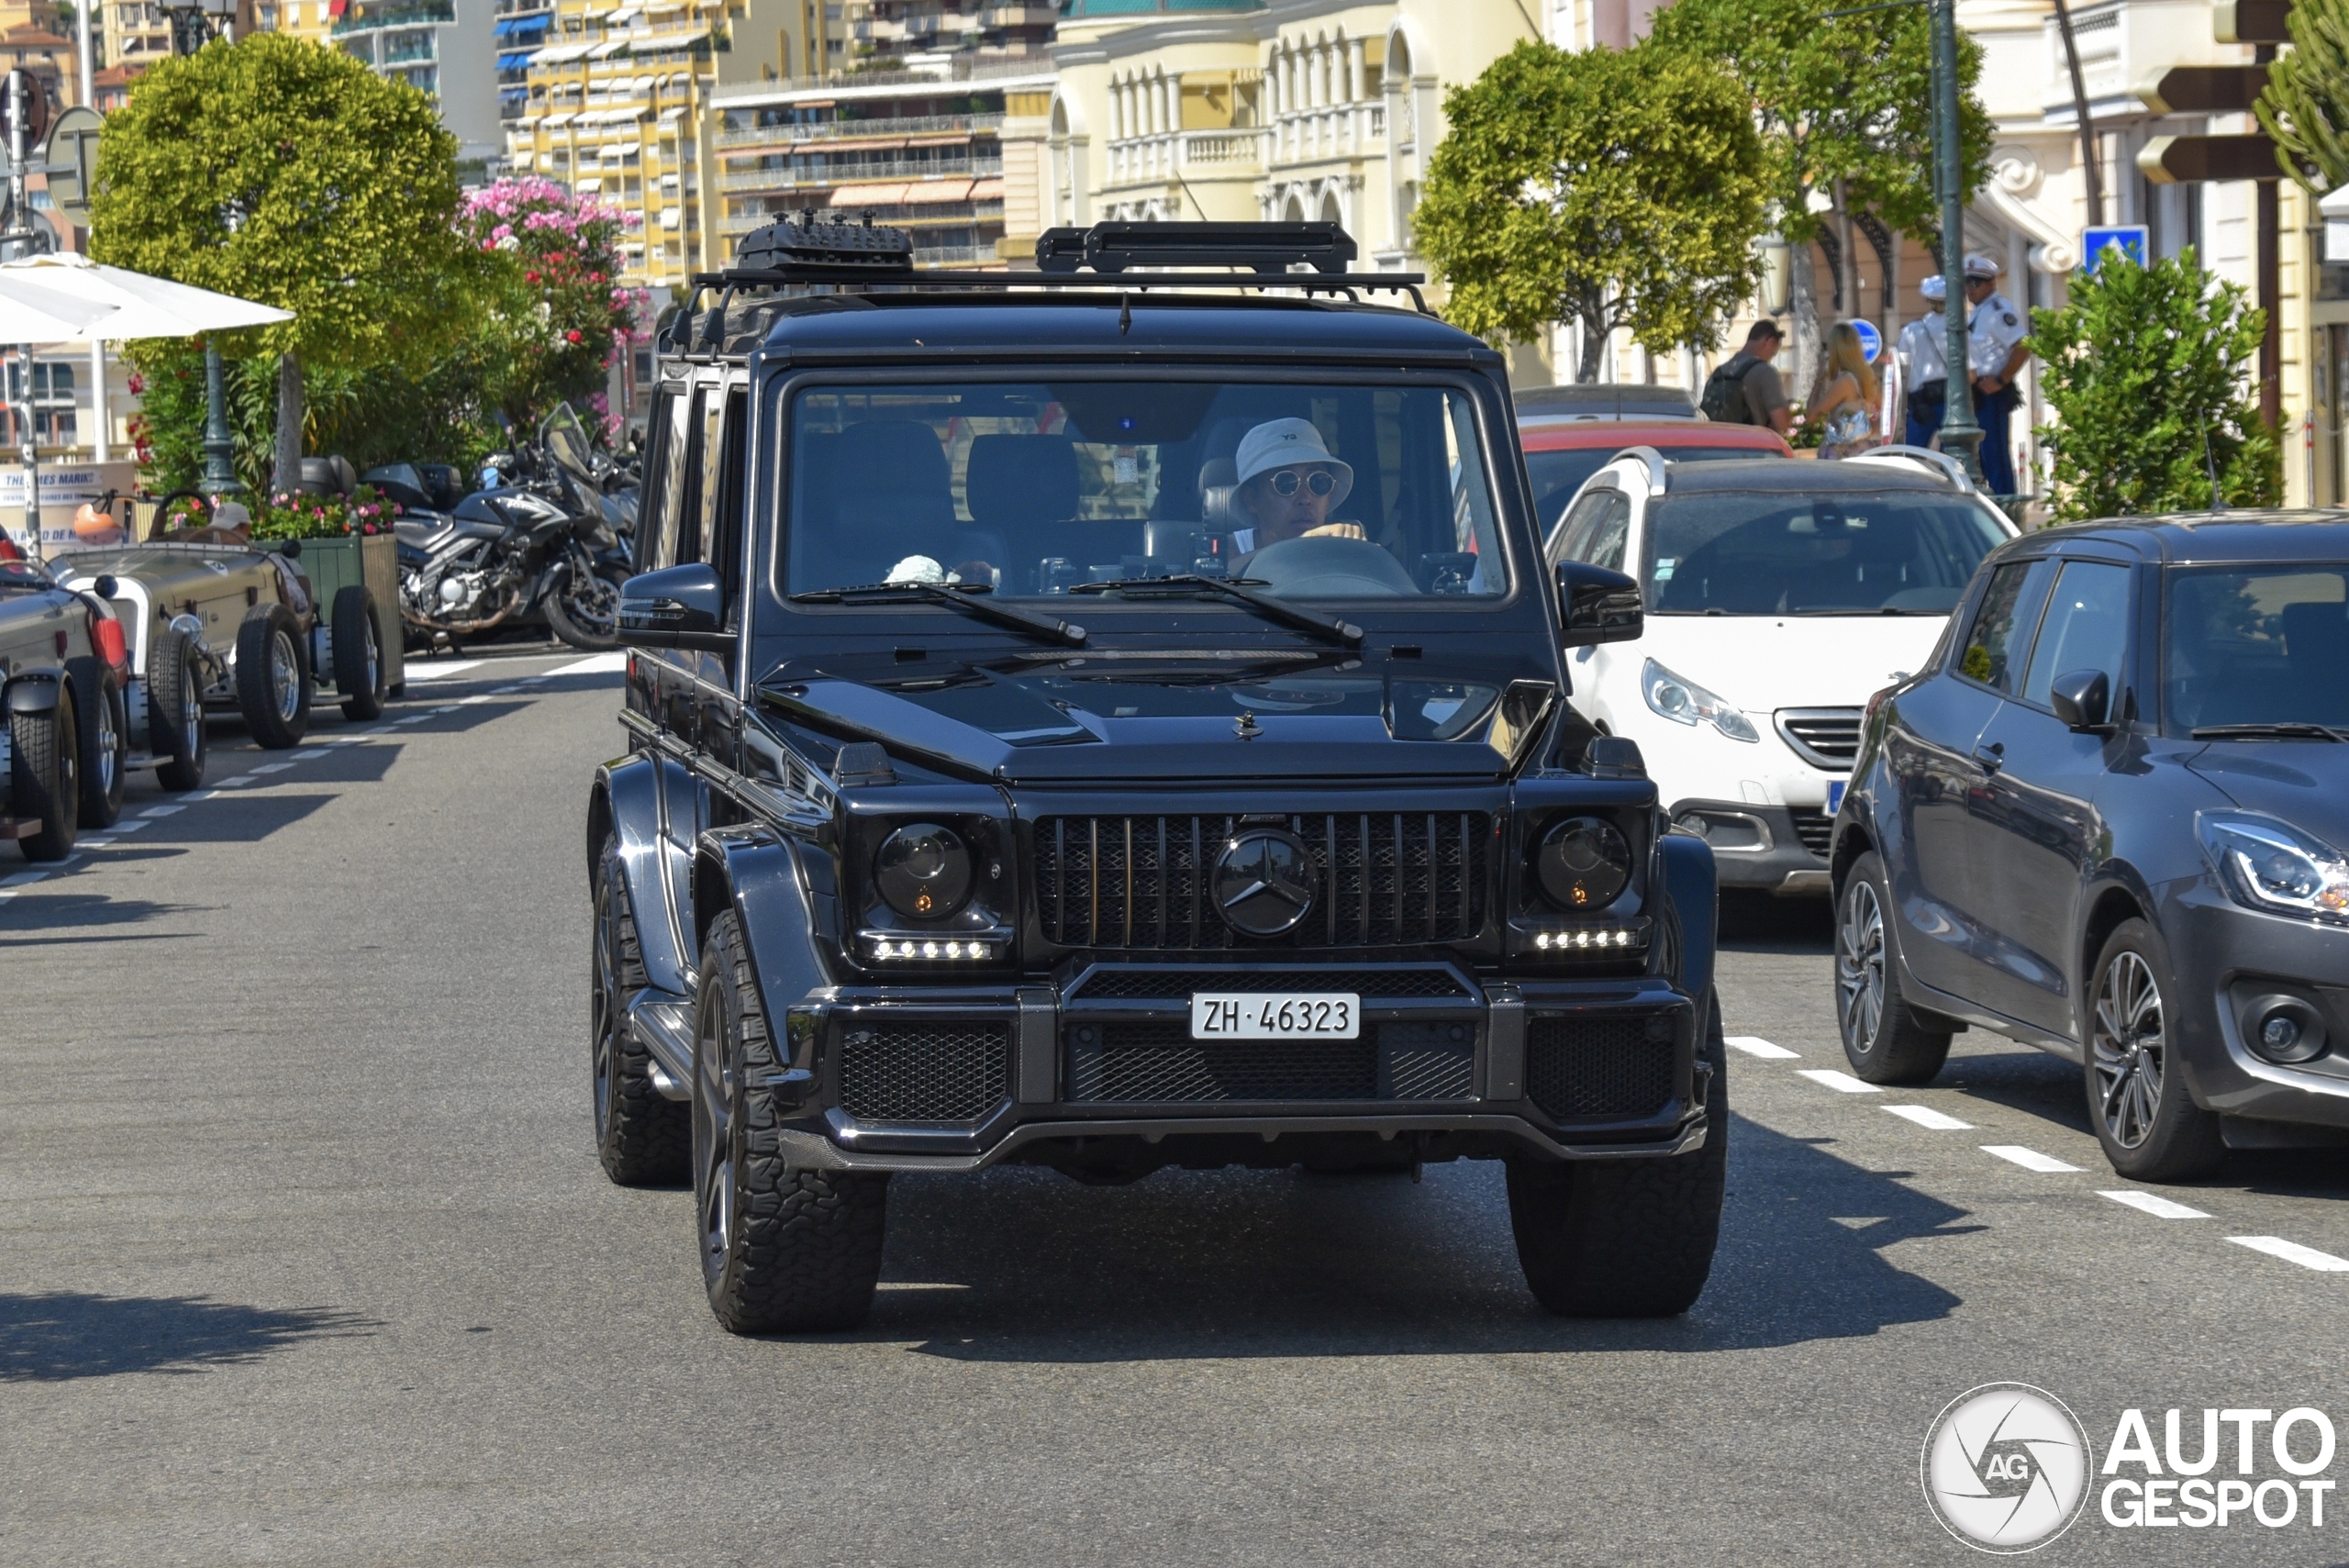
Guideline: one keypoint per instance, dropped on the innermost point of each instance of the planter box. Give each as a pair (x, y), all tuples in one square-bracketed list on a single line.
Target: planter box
[(332, 564)]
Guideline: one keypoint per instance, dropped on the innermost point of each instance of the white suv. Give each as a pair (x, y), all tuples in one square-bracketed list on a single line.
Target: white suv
[(1780, 595)]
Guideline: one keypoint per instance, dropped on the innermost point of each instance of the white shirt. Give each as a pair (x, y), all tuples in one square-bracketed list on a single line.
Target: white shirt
[(1922, 355), (1992, 332)]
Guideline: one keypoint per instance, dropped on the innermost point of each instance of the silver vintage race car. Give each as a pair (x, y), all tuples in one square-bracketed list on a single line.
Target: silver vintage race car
[(64, 666)]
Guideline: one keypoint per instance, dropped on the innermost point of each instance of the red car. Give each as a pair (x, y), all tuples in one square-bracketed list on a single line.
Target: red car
[(1569, 432)]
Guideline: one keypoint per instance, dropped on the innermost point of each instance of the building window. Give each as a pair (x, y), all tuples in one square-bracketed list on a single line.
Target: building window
[(52, 400)]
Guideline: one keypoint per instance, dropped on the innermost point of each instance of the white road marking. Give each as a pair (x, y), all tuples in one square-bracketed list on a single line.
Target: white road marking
[(96, 843), (411, 719), (1832, 1079), (129, 825), (357, 740), (600, 665), (1925, 1115), (450, 708), (2293, 1253), (379, 730), (503, 690), (229, 783), (1754, 1045), (2158, 1207), (23, 879), (476, 697), (440, 672), (2029, 1158), (305, 756), (529, 680), (272, 767), (162, 810)]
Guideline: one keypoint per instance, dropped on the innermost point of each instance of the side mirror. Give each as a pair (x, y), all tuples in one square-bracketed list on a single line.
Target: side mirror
[(1597, 605), (2081, 699), (684, 607)]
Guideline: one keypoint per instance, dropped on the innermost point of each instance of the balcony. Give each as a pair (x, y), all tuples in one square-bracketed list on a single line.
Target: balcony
[(792, 178), (841, 131), (409, 46), (1335, 130), (369, 19), (1211, 153)]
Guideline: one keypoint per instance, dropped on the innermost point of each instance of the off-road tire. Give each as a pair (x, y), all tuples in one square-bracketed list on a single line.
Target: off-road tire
[(45, 778), (2180, 1139), (642, 1138), (266, 638), (357, 640), (103, 722), (1883, 1040), (174, 711), (1626, 1238), (783, 1250)]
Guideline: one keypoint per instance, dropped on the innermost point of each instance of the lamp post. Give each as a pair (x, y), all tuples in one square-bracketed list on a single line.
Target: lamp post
[(1960, 436), (195, 23)]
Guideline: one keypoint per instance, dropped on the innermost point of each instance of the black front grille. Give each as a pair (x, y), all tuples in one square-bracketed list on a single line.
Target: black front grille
[(1817, 832), (948, 1071), (1824, 737), (1387, 879), (1596, 1069), (1161, 1064), (1156, 984)]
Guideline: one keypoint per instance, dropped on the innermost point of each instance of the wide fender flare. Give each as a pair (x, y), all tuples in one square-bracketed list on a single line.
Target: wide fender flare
[(35, 691), (626, 804), (1691, 887), (756, 872)]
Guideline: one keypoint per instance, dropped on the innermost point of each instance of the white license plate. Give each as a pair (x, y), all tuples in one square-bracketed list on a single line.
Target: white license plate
[(1260, 1014)]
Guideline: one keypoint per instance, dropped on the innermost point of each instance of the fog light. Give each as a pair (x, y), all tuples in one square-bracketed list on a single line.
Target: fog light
[(2280, 1033), (2284, 1029)]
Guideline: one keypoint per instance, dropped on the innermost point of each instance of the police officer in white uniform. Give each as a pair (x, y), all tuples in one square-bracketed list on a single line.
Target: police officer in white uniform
[(1924, 365), (1993, 353)]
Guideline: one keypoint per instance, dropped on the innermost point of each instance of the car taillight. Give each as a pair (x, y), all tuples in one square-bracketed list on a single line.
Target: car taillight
[(108, 636)]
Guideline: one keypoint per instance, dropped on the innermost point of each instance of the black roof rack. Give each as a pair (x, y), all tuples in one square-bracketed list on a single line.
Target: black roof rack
[(859, 256)]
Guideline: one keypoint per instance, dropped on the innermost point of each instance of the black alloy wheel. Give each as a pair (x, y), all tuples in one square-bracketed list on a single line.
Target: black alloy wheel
[(1882, 1037), (2138, 1100)]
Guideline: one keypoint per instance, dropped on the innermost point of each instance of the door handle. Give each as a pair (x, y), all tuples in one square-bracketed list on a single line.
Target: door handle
[(1991, 757)]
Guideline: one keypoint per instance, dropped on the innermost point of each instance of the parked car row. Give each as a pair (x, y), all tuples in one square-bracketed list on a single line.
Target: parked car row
[(113, 656)]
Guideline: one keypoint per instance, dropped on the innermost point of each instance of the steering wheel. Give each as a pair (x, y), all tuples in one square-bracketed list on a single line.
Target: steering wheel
[(1328, 567), (163, 506)]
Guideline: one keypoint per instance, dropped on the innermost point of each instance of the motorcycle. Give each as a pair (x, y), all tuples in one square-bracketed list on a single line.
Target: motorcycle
[(536, 546)]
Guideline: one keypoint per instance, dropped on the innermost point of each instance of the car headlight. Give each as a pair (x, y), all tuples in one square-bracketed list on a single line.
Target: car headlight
[(1683, 701), (2270, 865), (1583, 863), (923, 870)]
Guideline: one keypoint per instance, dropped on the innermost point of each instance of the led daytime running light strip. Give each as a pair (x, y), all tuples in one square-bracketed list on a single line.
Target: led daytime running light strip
[(1590, 938), (928, 949)]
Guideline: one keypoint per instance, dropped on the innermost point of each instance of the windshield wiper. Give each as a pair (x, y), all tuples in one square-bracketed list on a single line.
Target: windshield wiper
[(1237, 591), (2288, 730), (962, 596)]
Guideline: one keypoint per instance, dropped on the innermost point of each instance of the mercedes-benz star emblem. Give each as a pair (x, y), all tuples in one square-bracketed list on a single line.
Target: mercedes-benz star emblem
[(1265, 882)]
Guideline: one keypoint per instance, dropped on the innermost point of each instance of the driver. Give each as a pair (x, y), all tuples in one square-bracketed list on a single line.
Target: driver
[(1289, 483)]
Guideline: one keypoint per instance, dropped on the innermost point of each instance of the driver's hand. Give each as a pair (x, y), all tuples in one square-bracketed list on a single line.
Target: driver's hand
[(1336, 530)]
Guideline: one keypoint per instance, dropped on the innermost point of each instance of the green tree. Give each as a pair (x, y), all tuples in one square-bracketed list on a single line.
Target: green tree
[(287, 173), (2305, 105), (1839, 98), (2148, 370), (1613, 189)]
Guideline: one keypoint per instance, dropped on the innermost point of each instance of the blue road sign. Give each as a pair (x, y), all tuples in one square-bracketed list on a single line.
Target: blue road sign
[(1870, 340), (2129, 238)]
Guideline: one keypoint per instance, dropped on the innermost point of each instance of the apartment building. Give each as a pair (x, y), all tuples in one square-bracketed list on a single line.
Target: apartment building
[(443, 47)]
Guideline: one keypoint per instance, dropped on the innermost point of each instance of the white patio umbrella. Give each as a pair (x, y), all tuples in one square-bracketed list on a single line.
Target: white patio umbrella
[(104, 305)]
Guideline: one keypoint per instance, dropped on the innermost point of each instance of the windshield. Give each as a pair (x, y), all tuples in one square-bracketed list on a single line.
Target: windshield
[(1034, 489), (1858, 552), (1556, 475), (2256, 645)]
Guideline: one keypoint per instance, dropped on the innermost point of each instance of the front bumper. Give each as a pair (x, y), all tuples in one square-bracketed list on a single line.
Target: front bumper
[(1447, 1065), (2222, 957), (1773, 848)]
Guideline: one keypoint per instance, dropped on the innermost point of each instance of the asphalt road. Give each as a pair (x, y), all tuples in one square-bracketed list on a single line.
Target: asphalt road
[(306, 1259)]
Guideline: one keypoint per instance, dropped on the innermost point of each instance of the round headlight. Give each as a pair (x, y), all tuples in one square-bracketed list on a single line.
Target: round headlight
[(1583, 863), (924, 870)]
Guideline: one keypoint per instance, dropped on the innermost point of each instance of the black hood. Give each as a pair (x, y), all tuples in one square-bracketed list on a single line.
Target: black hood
[(2305, 783), (1084, 719)]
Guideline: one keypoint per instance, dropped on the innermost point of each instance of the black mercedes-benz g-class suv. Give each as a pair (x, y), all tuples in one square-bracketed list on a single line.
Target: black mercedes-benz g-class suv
[(1111, 717)]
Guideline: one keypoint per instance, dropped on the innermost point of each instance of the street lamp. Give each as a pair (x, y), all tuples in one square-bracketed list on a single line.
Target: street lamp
[(195, 23), (1777, 273), (1960, 437)]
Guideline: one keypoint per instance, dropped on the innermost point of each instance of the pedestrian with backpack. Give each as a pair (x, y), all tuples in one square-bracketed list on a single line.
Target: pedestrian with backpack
[(1747, 389)]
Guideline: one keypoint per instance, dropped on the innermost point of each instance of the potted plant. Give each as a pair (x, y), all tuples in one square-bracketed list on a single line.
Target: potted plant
[(345, 539)]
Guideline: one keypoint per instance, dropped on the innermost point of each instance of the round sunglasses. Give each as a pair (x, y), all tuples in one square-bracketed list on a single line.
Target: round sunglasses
[(1321, 482)]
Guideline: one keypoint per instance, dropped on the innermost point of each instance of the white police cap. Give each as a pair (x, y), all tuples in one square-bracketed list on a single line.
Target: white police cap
[(1935, 288)]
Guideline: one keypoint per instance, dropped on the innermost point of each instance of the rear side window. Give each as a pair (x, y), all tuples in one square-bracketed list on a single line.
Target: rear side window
[(2000, 632), (2087, 627), (1580, 523), (666, 474)]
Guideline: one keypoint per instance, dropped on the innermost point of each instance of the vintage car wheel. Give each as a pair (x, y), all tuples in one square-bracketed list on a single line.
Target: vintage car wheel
[(358, 654), (104, 724), (273, 678), (174, 711), (1883, 1039), (1626, 1238), (642, 1138), (783, 1250), (45, 777), (2138, 1102)]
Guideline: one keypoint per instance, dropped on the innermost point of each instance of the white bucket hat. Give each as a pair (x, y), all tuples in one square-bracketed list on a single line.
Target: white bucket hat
[(1278, 443)]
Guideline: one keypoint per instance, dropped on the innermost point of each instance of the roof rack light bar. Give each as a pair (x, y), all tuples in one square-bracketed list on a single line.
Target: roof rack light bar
[(1111, 246)]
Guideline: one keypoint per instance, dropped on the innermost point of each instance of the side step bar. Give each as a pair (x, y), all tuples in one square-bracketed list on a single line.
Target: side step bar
[(662, 1021)]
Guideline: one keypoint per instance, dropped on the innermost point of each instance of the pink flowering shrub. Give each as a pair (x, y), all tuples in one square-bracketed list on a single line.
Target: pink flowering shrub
[(287, 516), (557, 315)]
